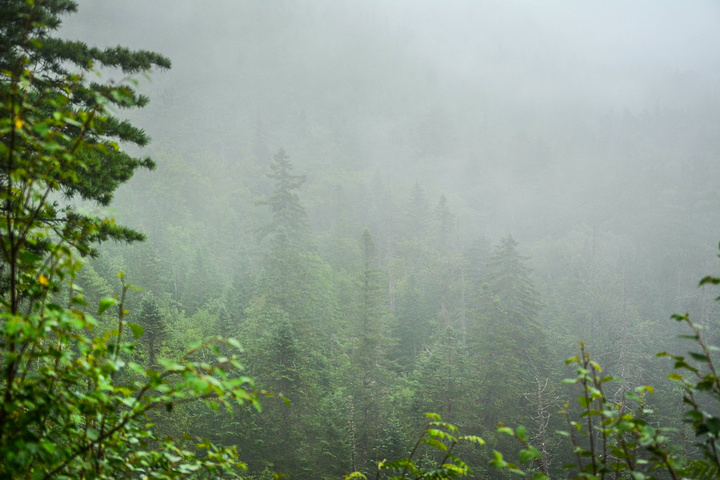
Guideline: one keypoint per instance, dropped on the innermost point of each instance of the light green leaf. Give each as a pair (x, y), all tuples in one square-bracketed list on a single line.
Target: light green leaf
[(137, 330), (105, 303)]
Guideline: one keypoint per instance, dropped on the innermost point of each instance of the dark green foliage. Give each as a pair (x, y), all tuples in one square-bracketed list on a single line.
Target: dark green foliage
[(369, 378), (151, 319), (444, 371), (361, 336)]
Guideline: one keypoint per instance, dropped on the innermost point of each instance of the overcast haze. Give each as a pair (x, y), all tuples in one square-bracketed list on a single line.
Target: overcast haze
[(532, 117), (488, 183)]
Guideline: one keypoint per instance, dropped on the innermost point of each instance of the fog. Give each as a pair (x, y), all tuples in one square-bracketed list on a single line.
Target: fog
[(530, 115), (588, 131)]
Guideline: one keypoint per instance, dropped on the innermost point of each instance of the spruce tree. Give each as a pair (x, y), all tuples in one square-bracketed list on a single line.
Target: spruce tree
[(509, 347), (287, 235), (286, 326), (509, 280), (371, 366), (151, 320)]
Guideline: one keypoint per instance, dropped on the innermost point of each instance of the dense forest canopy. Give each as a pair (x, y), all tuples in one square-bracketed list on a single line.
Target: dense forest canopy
[(397, 208)]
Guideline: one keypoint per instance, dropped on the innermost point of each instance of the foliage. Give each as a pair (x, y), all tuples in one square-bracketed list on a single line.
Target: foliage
[(439, 438), (609, 439), (78, 409), (617, 439), (74, 404)]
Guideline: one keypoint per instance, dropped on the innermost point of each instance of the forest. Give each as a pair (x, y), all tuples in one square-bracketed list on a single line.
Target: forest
[(368, 239)]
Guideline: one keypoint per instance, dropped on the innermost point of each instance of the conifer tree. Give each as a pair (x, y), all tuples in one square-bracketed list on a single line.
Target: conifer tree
[(286, 326), (370, 362), (509, 280), (509, 347), (288, 214), (151, 320), (42, 72)]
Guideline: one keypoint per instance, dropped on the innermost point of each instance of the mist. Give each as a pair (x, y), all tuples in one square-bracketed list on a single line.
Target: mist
[(587, 132)]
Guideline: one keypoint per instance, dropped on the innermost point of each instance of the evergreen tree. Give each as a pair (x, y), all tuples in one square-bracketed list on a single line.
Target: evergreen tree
[(509, 348), (371, 367), (287, 234), (41, 74), (509, 280), (151, 319), (287, 329), (288, 215)]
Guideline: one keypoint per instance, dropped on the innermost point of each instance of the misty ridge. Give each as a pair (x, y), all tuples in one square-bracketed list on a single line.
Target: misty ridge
[(535, 119), (406, 207)]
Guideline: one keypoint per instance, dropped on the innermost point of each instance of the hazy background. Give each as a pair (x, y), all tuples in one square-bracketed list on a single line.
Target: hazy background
[(590, 131), (535, 117)]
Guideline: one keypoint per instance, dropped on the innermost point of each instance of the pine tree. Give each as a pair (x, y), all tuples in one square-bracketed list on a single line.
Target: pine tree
[(285, 326), (509, 348), (288, 215), (287, 234), (58, 138)]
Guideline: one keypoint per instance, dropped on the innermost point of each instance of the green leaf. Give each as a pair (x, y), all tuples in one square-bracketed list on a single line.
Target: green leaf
[(529, 454), (105, 303), (575, 359), (506, 430), (137, 330), (699, 357), (235, 344), (473, 438), (497, 460)]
